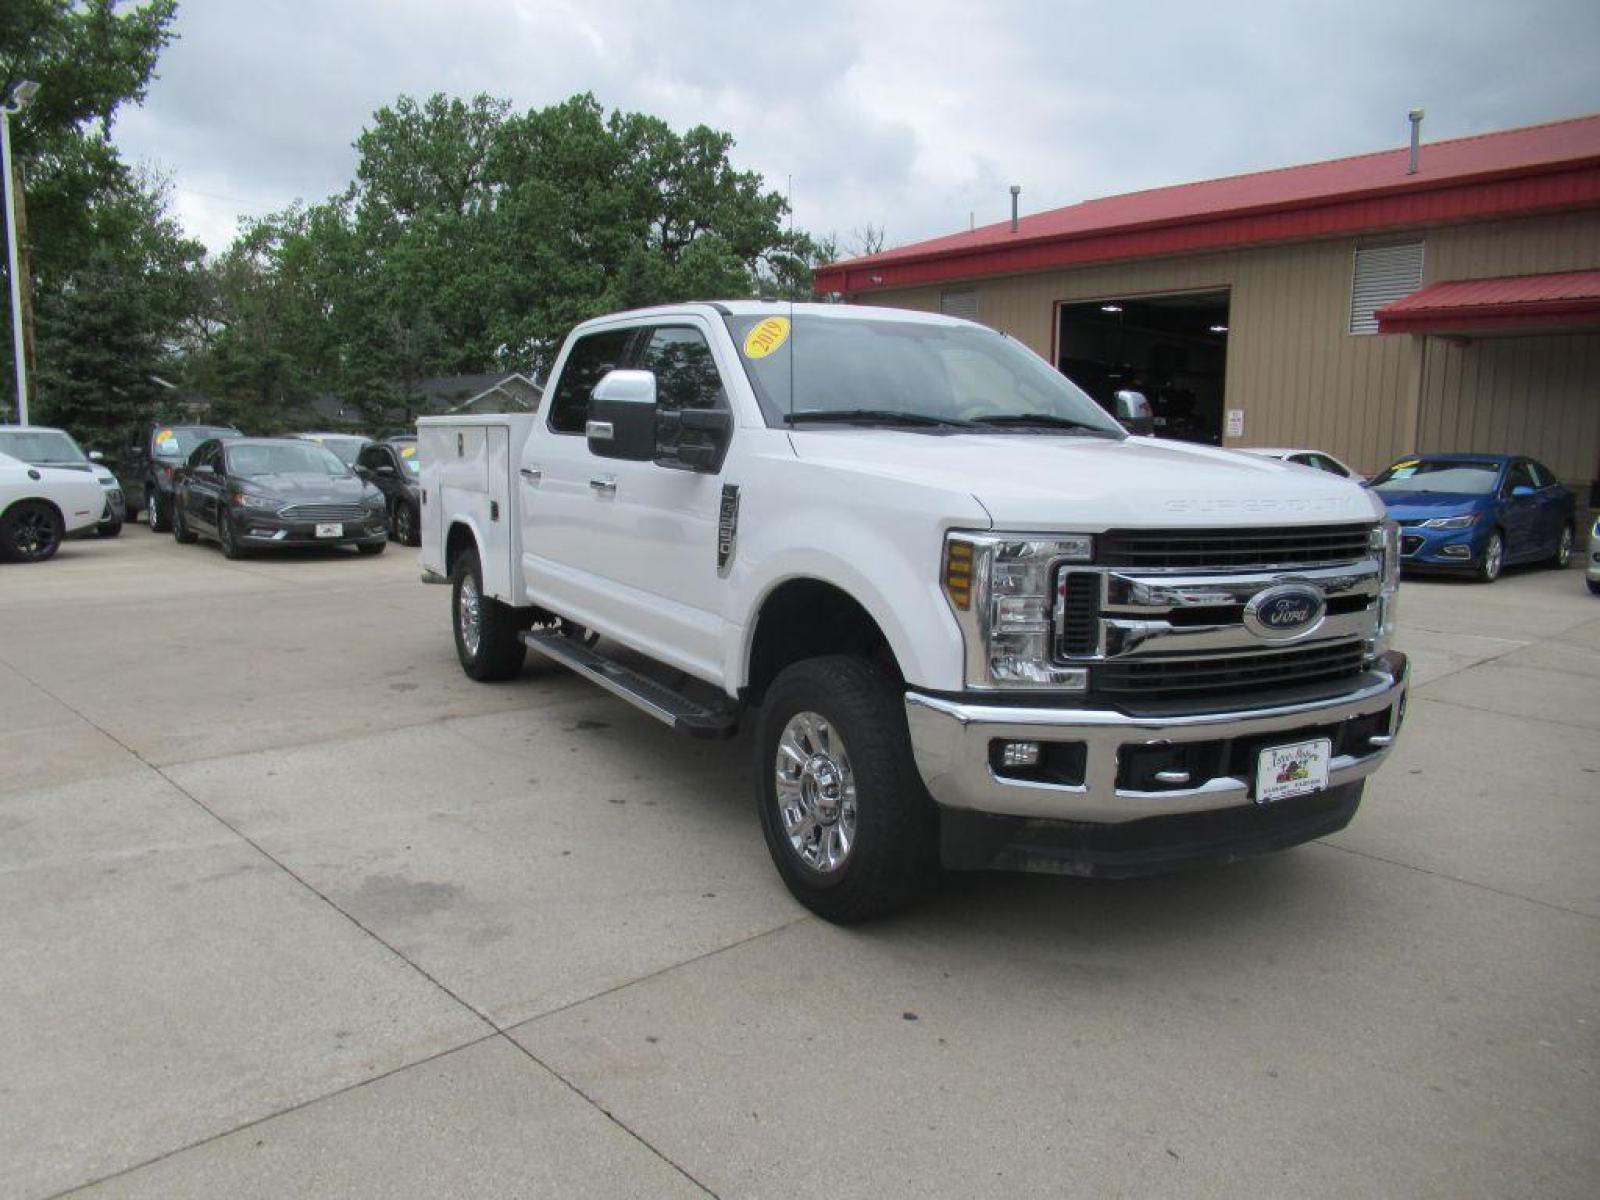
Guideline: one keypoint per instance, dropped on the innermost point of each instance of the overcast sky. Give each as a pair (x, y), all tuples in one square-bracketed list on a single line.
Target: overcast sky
[(912, 115)]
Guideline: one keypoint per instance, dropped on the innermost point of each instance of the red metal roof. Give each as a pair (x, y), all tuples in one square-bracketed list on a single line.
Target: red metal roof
[(1538, 168), (1512, 302)]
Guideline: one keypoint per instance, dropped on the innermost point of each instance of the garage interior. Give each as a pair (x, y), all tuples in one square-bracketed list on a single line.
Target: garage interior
[(1172, 348)]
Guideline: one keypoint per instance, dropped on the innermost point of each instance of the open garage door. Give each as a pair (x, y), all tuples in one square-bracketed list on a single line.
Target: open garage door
[(1172, 348)]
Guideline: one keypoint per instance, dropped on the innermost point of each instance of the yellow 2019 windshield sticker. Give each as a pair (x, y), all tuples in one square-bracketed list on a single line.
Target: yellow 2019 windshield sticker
[(766, 337)]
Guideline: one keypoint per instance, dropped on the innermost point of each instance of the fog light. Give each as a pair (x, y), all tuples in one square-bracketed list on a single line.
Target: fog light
[(1457, 551), (1020, 754)]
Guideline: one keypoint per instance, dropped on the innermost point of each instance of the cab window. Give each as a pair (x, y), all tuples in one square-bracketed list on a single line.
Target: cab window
[(589, 359), (686, 374), (1519, 476)]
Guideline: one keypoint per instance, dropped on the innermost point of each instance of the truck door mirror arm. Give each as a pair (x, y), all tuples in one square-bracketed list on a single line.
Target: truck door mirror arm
[(693, 439)]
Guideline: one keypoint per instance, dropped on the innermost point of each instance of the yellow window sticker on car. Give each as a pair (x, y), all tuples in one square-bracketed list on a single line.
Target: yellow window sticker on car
[(408, 451), (165, 435), (1410, 462), (766, 337)]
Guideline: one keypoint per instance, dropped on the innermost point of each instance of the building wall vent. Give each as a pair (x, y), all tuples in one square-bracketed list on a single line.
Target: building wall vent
[(963, 304), (1382, 275)]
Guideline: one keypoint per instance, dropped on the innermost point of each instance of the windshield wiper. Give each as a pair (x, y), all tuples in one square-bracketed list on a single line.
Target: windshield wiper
[(881, 416), (1048, 420)]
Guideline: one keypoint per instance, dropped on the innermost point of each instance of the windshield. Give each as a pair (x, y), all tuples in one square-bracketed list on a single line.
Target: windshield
[(1422, 475), (177, 443), (930, 374), (345, 447), (40, 446), (284, 458), (408, 457)]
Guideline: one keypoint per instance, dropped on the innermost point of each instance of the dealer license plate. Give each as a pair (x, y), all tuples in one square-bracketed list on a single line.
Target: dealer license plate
[(1285, 771), (334, 530)]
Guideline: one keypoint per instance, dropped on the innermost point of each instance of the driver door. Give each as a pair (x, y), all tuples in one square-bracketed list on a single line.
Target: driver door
[(1521, 513)]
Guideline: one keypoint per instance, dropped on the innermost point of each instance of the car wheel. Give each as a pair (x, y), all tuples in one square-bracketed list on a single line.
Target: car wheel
[(488, 634), (404, 525), (30, 531), (1563, 554), (1494, 558), (845, 815), (156, 510), (108, 529), (181, 533), (373, 548), (228, 539), (1594, 585)]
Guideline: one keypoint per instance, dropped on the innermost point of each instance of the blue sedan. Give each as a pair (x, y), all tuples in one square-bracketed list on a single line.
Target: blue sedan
[(1477, 513)]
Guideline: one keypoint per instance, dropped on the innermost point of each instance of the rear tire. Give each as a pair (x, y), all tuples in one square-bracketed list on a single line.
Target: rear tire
[(1594, 586), (1563, 554), (833, 730), (30, 531), (488, 633)]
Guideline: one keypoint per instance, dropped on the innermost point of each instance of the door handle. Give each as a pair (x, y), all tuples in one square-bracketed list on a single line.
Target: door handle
[(532, 474), (604, 484)]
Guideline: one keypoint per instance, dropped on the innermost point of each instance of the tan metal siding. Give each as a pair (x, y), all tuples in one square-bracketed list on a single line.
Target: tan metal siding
[(1530, 395), (1293, 368)]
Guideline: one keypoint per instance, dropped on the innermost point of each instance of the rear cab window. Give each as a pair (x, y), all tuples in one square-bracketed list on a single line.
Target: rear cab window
[(590, 357)]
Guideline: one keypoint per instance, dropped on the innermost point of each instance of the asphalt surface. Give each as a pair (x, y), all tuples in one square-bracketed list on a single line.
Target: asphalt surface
[(289, 907)]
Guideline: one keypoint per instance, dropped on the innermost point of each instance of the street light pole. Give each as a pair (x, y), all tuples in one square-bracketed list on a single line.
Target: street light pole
[(14, 104)]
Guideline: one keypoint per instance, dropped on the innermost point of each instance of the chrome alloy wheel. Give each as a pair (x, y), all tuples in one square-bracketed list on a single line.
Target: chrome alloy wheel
[(1493, 557), (151, 508), (469, 615), (816, 793), (1564, 550)]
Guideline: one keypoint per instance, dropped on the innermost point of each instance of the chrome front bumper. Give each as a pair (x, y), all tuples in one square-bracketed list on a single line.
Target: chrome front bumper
[(951, 738)]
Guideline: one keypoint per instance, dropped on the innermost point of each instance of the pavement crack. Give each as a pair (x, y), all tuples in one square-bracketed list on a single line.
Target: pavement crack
[(1472, 883)]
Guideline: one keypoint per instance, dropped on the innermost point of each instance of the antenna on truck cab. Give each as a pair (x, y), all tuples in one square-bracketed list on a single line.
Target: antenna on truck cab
[(789, 200)]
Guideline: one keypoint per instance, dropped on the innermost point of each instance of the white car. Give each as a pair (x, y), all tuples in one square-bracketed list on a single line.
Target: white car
[(42, 446), (1319, 459), (41, 505)]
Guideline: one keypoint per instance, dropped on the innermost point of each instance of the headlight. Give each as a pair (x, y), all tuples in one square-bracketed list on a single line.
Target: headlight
[(374, 501), (1385, 539), (1002, 591), (250, 500), (1465, 521)]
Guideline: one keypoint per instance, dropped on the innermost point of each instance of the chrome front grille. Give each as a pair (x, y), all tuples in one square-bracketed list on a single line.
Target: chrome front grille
[(1205, 548), (1168, 627), (323, 512)]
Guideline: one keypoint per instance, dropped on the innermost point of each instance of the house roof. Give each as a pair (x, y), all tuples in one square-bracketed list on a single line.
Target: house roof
[(1514, 303), (1533, 169)]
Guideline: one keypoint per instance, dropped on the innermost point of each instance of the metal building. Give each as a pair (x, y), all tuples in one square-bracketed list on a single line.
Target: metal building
[(1441, 297)]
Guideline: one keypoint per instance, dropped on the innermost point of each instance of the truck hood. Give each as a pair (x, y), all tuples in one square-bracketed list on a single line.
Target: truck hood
[(1031, 481)]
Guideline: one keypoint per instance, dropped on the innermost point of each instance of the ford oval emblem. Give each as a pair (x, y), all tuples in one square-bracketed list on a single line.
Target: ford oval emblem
[(1284, 612)]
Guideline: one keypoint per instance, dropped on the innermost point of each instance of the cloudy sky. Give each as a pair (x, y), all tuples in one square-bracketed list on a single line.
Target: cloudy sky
[(912, 115)]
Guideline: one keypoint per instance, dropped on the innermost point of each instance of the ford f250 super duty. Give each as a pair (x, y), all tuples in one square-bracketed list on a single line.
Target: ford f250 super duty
[(972, 621)]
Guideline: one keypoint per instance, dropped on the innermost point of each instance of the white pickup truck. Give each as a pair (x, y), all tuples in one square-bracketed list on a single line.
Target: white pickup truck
[(972, 621)]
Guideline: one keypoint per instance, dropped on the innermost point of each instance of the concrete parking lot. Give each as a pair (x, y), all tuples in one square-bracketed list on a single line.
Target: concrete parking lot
[(289, 907)]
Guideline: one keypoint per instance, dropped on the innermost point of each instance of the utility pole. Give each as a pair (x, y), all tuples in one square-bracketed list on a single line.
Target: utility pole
[(30, 386), (16, 218)]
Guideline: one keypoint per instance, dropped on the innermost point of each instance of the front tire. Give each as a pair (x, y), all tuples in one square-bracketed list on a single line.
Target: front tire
[(1494, 558), (30, 531), (109, 529), (488, 636), (181, 533), (846, 818), (373, 548), (228, 539), (157, 511), (404, 525)]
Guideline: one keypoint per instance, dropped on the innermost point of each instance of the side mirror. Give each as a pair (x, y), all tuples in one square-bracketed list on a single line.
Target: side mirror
[(385, 468), (205, 469), (622, 416), (1522, 489), (1133, 410), (96, 456)]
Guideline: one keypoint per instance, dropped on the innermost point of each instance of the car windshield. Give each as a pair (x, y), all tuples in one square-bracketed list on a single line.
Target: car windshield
[(1439, 475), (408, 457), (345, 447), (840, 369), (181, 441), (283, 458), (41, 446)]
